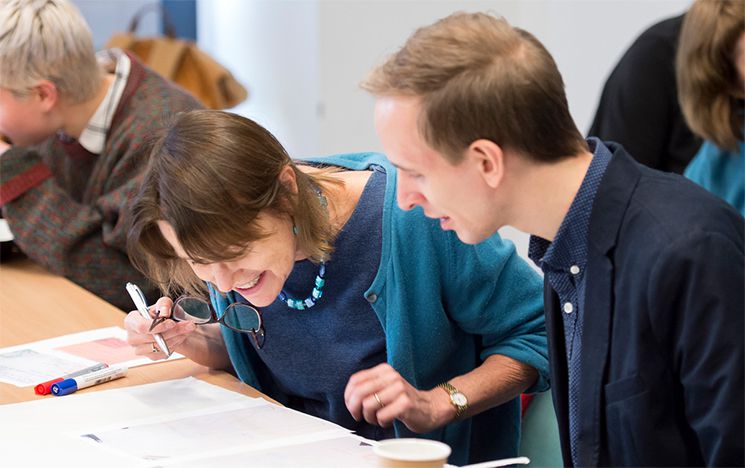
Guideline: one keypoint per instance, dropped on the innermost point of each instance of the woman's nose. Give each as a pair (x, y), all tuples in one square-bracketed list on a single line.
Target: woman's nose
[(222, 277)]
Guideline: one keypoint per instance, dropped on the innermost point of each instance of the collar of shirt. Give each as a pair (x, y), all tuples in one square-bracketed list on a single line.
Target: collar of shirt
[(569, 247), (93, 137)]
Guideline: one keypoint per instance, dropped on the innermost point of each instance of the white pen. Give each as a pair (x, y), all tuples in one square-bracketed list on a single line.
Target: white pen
[(139, 299), (73, 384)]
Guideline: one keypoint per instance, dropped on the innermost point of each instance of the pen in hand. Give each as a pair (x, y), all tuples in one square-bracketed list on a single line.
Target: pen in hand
[(139, 299)]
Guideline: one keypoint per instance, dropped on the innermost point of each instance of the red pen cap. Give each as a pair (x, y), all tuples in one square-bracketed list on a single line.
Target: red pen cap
[(45, 388)]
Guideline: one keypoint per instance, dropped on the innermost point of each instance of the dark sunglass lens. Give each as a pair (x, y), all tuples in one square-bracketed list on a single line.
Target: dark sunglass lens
[(193, 309), (242, 317)]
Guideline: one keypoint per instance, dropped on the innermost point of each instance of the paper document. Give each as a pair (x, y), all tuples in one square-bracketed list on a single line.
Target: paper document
[(342, 452), (185, 422), (5, 233), (249, 425), (28, 364)]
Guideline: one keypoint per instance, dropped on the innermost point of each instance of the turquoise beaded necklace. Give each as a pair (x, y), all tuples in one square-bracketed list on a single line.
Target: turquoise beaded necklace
[(317, 292), (310, 301)]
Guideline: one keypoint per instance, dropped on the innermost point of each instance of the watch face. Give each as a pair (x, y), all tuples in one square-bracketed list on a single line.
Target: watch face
[(459, 399)]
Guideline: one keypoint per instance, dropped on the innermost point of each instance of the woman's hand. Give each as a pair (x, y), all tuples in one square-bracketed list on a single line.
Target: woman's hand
[(174, 333), (381, 394)]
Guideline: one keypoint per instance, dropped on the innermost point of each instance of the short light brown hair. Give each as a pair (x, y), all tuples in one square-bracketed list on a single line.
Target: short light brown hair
[(47, 40), (709, 88), (478, 77), (210, 174)]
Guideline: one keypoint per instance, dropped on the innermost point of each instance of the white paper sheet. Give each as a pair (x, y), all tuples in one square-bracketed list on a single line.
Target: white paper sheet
[(247, 425), (5, 233), (25, 367), (342, 452), (32, 363), (183, 420)]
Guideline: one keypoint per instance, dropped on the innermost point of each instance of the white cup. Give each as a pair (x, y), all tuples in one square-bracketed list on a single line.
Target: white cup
[(411, 453)]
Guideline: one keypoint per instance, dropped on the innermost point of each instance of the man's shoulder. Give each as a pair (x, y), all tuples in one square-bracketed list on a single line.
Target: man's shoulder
[(667, 211), (156, 90)]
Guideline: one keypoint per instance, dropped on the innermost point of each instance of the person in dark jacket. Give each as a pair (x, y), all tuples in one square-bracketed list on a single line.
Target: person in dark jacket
[(643, 270)]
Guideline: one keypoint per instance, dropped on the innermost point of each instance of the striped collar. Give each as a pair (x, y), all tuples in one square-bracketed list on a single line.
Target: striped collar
[(93, 137)]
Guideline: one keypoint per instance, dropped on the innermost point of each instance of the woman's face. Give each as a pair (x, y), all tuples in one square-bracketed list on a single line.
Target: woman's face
[(260, 273)]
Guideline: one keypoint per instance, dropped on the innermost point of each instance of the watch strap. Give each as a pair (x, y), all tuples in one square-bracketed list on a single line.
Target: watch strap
[(450, 389)]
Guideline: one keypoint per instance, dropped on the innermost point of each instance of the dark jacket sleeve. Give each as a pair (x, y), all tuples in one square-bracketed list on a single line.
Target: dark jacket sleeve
[(696, 303)]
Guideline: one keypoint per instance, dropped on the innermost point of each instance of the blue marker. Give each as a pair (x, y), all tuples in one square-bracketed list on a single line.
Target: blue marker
[(72, 385)]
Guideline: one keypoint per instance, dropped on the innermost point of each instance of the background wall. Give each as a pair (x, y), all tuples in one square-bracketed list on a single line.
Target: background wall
[(302, 61)]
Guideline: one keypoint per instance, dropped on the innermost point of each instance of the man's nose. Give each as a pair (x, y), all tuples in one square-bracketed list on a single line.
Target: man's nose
[(406, 196)]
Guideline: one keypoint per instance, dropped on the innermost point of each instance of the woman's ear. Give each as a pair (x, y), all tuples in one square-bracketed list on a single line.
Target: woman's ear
[(287, 178), (489, 158)]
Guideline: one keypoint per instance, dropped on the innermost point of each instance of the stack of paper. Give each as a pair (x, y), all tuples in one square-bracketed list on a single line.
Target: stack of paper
[(184, 423)]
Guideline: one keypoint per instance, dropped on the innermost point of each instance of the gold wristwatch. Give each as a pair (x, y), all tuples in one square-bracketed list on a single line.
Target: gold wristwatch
[(457, 399)]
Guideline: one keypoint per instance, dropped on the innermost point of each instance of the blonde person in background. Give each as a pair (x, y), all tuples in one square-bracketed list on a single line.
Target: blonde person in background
[(710, 71), (643, 270), (78, 122), (329, 298)]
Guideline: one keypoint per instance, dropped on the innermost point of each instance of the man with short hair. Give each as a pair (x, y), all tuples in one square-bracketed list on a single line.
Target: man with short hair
[(78, 123), (643, 270)]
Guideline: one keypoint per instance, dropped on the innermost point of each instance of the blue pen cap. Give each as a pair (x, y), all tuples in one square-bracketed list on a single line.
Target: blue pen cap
[(65, 387)]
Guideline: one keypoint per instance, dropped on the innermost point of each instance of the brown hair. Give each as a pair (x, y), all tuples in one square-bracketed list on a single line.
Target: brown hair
[(478, 77), (210, 174), (708, 82)]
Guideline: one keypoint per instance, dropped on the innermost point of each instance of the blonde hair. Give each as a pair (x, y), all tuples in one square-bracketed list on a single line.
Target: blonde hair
[(478, 77), (210, 175), (47, 40), (709, 88)]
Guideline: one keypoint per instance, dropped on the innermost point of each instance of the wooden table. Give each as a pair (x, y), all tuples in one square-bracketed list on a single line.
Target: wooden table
[(36, 305)]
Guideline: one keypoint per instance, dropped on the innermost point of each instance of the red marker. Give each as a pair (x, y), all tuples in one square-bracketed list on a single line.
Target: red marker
[(45, 388)]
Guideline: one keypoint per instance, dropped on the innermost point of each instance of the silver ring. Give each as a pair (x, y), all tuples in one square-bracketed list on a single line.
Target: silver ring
[(154, 349), (377, 398)]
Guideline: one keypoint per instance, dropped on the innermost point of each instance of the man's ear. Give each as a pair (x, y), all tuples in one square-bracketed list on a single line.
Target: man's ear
[(47, 94), (489, 158), (287, 178)]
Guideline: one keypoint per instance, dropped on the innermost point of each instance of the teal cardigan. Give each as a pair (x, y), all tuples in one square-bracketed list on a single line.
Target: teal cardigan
[(445, 307), (721, 172)]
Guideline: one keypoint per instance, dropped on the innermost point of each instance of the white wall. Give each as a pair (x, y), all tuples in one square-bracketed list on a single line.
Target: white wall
[(106, 17), (303, 60), (272, 48)]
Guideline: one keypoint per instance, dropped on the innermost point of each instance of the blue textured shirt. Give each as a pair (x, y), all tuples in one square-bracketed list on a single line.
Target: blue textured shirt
[(563, 263)]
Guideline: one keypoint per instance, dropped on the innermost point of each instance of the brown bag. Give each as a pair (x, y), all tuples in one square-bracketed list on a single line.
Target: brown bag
[(183, 63)]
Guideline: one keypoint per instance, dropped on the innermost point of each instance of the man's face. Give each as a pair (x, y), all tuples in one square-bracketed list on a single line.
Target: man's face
[(23, 118), (455, 194)]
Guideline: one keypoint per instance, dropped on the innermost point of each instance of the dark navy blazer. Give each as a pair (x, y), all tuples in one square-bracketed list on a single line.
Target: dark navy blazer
[(662, 358)]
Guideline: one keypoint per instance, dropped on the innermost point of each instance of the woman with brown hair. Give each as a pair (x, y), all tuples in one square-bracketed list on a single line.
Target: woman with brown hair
[(710, 71), (325, 296)]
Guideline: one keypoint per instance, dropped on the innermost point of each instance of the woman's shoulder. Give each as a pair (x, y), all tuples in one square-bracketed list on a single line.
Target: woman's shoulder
[(352, 161)]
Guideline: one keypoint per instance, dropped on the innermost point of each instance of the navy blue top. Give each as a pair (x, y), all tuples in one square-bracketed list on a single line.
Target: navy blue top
[(563, 262), (315, 379)]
